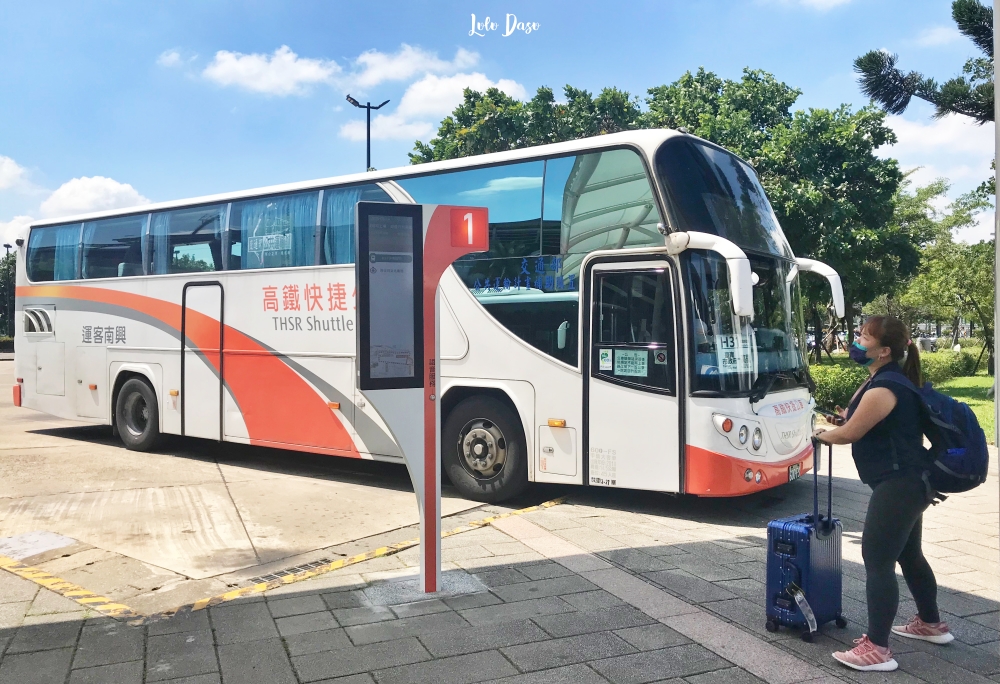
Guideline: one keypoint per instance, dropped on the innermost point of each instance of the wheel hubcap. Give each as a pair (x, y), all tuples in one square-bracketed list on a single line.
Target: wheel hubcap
[(483, 449), (136, 414)]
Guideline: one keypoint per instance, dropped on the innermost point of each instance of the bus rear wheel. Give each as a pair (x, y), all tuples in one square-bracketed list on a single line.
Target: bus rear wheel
[(483, 450), (137, 416)]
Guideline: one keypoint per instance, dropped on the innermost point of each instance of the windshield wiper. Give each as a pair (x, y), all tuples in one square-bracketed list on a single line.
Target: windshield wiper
[(763, 384)]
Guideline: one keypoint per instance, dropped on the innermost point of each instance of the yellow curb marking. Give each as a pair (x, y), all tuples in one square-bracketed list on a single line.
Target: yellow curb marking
[(390, 550), (106, 606), (89, 599)]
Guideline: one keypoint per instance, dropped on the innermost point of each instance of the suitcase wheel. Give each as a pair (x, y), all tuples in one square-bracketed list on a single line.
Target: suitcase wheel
[(841, 622), (771, 625), (807, 636)]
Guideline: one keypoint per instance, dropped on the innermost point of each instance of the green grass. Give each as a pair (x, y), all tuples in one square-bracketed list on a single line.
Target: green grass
[(972, 390)]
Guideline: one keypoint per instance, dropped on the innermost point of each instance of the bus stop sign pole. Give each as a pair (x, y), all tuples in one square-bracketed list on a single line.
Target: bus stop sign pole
[(402, 252)]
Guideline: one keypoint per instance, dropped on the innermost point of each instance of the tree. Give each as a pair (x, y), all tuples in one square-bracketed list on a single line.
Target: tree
[(494, 121), (7, 282), (970, 94)]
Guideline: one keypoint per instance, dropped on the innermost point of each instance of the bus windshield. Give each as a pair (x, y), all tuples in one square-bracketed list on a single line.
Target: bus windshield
[(712, 191), (730, 353)]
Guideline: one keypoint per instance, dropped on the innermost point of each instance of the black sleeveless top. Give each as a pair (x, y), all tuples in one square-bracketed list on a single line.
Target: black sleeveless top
[(894, 446)]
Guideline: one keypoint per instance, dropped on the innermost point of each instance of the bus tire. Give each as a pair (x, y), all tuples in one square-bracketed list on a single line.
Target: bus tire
[(483, 450), (137, 415)]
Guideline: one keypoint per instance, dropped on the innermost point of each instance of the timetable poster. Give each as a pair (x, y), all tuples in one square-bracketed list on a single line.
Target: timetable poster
[(390, 278)]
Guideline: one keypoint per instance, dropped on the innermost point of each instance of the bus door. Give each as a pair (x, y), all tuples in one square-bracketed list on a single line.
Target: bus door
[(202, 370), (630, 377)]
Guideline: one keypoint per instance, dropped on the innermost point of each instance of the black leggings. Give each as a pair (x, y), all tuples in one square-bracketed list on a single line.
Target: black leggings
[(892, 534)]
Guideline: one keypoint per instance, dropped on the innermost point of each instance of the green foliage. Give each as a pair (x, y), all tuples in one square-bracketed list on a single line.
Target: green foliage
[(837, 383), (7, 284), (6, 344), (495, 122), (970, 94), (943, 365)]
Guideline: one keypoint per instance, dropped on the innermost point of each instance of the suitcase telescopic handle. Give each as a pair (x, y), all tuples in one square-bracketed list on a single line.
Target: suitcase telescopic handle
[(827, 526)]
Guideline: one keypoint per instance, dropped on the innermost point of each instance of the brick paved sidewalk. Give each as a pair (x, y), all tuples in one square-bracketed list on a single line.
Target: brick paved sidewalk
[(638, 588)]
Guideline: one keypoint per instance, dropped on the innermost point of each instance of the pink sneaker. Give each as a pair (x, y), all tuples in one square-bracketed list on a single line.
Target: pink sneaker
[(867, 656), (934, 632)]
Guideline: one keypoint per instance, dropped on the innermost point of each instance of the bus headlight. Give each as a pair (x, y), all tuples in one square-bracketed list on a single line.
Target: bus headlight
[(744, 433), (748, 475), (758, 439)]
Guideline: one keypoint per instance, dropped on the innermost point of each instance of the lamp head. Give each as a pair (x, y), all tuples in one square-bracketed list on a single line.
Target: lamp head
[(353, 101)]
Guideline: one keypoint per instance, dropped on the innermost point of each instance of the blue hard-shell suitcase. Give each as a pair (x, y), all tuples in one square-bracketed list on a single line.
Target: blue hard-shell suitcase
[(804, 565)]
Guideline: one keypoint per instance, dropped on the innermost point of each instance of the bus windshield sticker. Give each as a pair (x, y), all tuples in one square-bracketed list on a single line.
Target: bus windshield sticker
[(734, 352), (660, 357), (605, 358), (631, 362)]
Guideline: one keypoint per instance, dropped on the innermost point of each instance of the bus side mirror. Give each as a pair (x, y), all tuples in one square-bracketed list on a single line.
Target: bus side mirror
[(740, 275), (818, 267)]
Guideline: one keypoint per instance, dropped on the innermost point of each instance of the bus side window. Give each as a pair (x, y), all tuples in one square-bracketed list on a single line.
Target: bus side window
[(273, 232), (52, 252), (113, 247), (337, 220), (187, 240)]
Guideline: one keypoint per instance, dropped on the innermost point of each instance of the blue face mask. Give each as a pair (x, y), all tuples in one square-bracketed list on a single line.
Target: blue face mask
[(859, 354)]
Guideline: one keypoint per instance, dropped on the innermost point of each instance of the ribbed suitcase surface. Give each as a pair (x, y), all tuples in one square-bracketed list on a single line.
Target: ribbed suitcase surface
[(807, 555)]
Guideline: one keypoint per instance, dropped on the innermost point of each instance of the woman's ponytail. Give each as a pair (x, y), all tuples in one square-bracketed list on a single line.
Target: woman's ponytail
[(911, 367), (893, 333)]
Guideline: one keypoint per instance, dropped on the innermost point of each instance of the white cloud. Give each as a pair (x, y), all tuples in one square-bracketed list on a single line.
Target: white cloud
[(387, 127), (431, 96), (498, 185), (375, 67), (169, 58), (282, 73), (16, 228), (93, 193), (954, 148), (938, 35), (12, 174), (439, 95)]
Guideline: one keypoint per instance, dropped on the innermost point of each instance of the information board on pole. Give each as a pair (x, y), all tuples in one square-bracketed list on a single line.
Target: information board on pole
[(402, 252)]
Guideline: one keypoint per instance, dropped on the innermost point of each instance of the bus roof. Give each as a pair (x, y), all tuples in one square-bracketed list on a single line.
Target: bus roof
[(647, 140)]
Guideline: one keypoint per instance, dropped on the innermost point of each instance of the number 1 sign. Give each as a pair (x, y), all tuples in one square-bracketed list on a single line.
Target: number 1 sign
[(402, 252), (463, 229)]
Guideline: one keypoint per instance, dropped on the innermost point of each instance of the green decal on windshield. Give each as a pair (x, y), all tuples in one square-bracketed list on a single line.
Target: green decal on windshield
[(605, 359)]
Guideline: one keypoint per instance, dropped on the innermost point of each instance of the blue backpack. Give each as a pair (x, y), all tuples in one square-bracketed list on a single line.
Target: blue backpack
[(958, 444)]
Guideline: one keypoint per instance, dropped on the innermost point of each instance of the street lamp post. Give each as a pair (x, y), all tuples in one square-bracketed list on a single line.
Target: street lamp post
[(368, 106)]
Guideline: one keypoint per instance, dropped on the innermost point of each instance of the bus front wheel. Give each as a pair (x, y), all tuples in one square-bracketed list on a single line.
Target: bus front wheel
[(137, 416), (483, 450)]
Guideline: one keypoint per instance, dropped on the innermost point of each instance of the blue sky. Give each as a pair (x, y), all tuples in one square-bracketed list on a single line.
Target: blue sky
[(116, 103)]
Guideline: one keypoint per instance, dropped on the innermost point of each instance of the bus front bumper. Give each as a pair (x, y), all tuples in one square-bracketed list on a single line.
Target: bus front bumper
[(707, 473)]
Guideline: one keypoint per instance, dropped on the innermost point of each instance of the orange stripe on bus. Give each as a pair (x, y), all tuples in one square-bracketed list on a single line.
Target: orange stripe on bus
[(278, 405)]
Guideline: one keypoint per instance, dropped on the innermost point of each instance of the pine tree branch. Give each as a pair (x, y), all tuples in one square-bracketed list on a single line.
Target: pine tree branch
[(975, 21)]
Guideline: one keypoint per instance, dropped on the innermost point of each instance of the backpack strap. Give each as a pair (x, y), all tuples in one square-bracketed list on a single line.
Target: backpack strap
[(925, 408)]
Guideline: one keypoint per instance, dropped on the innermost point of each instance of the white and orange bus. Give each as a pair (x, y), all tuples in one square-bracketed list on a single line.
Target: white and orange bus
[(636, 322)]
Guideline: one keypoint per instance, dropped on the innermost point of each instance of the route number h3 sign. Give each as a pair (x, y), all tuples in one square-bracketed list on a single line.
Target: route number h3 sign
[(402, 252)]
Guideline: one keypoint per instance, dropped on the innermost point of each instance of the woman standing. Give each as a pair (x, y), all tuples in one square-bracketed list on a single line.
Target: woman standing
[(884, 428)]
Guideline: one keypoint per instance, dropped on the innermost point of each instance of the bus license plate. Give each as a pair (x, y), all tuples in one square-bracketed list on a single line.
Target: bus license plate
[(793, 471)]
